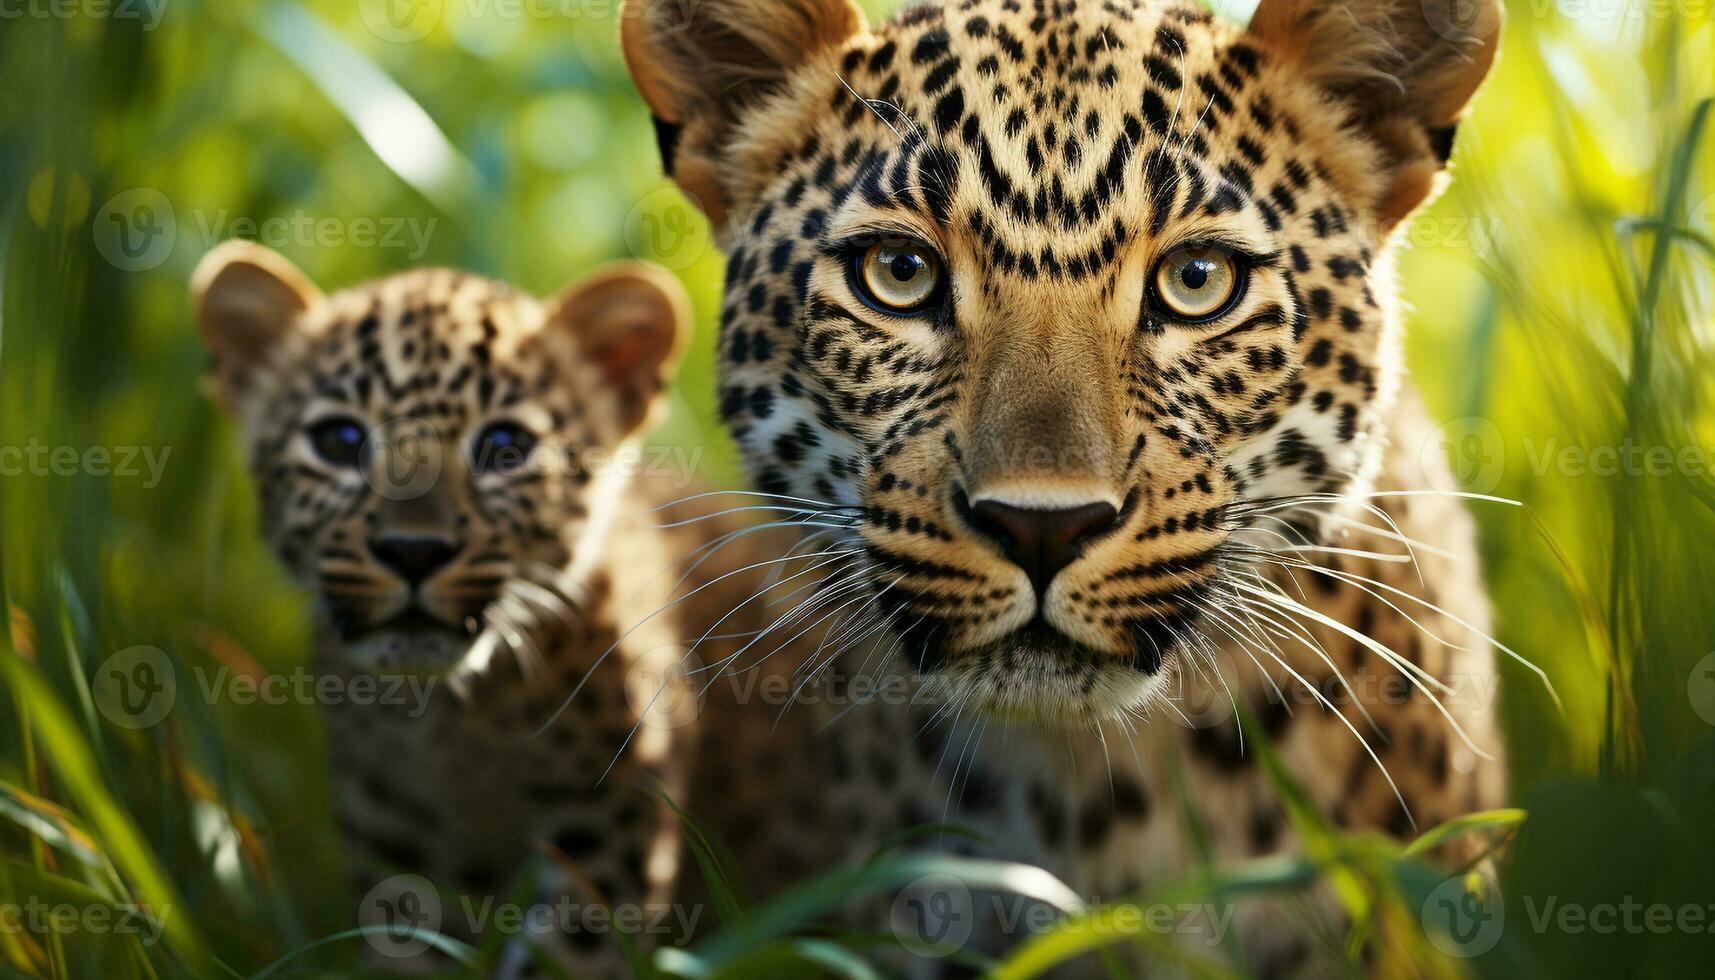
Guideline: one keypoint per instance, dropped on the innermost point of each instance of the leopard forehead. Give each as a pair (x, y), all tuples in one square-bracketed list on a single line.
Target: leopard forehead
[(430, 344), (1051, 153)]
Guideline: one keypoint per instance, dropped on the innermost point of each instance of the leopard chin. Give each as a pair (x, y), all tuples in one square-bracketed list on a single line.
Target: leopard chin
[(1038, 676), (413, 643)]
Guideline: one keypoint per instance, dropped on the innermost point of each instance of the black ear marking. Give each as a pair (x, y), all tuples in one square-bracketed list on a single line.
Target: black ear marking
[(1441, 141), (667, 140)]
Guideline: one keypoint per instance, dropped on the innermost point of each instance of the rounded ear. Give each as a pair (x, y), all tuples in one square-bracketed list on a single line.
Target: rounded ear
[(1404, 68), (248, 298), (632, 320), (701, 63)]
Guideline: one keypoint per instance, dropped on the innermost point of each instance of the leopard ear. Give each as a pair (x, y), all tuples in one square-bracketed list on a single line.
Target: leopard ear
[(631, 319), (701, 64), (1404, 68), (248, 298)]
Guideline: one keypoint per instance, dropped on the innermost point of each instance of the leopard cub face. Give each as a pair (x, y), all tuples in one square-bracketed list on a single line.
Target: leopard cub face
[(1063, 301), (433, 451)]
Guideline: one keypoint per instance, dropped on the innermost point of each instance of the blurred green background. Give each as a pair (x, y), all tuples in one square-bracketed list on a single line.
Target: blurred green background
[(1560, 299)]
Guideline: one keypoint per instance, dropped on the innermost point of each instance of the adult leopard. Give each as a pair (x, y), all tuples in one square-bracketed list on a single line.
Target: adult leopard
[(1075, 317)]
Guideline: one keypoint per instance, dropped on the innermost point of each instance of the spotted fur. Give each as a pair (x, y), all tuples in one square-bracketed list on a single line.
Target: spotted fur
[(1049, 154), (546, 570)]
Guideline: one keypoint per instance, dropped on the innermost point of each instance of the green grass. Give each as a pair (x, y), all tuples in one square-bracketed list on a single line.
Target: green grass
[(1562, 294)]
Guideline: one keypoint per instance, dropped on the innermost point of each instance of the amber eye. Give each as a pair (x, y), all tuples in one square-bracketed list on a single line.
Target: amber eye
[(339, 441), (1197, 282), (898, 277)]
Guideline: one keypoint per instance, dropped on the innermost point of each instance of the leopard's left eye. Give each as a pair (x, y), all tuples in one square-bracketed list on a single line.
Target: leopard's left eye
[(1197, 283), (901, 278), (339, 440), (502, 447)]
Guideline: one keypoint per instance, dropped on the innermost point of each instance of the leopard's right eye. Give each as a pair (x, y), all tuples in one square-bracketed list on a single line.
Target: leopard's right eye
[(339, 441)]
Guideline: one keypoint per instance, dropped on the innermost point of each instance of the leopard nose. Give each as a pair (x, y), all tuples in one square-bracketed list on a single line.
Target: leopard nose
[(1042, 542), (414, 557)]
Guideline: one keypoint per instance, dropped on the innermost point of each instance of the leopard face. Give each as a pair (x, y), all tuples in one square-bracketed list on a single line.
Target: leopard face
[(432, 451), (1059, 299)]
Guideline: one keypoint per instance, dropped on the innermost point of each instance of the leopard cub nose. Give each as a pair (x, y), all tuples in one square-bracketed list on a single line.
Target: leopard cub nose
[(413, 557), (1042, 542)]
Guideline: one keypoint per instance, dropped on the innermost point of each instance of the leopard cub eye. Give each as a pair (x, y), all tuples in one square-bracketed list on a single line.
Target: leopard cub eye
[(502, 447), (901, 278), (338, 441), (1197, 283)]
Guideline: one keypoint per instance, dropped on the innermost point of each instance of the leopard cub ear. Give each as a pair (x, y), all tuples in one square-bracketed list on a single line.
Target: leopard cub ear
[(248, 299), (630, 319)]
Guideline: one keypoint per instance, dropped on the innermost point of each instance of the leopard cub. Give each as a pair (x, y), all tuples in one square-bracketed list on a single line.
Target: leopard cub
[(438, 459)]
